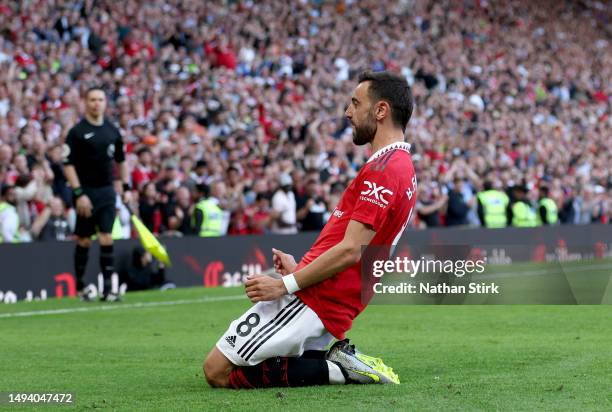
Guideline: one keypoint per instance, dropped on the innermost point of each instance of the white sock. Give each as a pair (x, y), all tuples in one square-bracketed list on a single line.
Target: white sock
[(335, 374)]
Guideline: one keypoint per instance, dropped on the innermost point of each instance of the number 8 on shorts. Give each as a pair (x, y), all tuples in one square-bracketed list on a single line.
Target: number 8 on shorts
[(244, 328)]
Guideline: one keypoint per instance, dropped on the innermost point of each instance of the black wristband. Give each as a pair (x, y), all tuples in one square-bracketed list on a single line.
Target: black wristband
[(127, 187), (77, 192)]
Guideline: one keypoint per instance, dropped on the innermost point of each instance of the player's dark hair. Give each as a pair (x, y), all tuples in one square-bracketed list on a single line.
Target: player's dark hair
[(94, 88), (544, 190), (394, 90)]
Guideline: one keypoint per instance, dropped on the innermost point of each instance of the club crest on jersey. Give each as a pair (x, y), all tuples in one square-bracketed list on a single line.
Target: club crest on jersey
[(65, 152), (375, 194), (110, 151)]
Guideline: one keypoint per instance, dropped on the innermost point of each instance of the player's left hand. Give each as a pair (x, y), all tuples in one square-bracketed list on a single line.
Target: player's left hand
[(260, 288)]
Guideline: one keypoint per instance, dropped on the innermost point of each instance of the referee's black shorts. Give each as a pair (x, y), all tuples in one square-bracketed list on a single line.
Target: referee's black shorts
[(103, 213)]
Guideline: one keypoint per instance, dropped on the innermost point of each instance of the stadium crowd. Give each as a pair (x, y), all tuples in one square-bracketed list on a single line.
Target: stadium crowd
[(242, 102)]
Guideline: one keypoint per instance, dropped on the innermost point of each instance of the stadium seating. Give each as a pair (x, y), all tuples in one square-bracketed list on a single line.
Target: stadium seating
[(510, 92)]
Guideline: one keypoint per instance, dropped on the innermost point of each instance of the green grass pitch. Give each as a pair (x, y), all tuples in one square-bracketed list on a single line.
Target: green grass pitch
[(143, 355)]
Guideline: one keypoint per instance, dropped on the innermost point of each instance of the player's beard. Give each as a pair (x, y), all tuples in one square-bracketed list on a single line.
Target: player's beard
[(364, 134)]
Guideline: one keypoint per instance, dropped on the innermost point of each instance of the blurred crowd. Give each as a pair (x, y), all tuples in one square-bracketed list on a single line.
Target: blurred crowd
[(242, 102)]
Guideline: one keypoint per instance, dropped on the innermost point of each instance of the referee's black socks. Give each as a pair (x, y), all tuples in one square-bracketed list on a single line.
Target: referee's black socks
[(107, 265), (80, 263)]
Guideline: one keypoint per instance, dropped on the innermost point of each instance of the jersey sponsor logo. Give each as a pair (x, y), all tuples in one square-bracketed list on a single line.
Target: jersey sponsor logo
[(231, 340), (375, 194), (338, 213), (89, 135)]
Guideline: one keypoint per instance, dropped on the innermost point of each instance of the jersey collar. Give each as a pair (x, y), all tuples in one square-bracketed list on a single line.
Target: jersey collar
[(397, 145)]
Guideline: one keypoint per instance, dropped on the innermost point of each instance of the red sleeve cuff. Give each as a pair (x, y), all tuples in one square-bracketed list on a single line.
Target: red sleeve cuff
[(369, 220)]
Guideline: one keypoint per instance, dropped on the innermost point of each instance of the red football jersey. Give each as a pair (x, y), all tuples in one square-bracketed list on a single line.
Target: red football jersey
[(382, 196)]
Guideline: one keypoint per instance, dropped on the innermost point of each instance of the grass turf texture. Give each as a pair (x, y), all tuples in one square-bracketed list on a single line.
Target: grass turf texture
[(448, 357)]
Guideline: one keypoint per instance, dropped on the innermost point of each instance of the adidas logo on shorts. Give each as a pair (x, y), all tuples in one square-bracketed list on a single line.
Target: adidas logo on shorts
[(231, 340)]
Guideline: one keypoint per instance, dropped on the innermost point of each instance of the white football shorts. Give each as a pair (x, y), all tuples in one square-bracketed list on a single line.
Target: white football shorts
[(283, 327)]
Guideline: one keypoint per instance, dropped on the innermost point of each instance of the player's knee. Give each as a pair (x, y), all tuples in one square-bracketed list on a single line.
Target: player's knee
[(84, 241), (215, 374), (106, 239)]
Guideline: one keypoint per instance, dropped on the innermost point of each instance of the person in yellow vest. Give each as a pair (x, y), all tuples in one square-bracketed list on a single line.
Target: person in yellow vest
[(492, 205), (548, 212), (208, 217), (519, 212), (9, 219)]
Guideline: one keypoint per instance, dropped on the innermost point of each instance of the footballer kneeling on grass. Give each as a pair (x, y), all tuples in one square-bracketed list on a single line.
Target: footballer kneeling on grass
[(282, 339)]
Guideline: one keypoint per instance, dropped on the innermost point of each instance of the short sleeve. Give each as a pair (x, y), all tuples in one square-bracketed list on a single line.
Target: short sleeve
[(376, 193), (68, 150), (119, 151)]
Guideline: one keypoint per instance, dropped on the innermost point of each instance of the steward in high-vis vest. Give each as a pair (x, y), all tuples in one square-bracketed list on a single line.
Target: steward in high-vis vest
[(208, 218), (548, 213), (492, 205), (520, 213), (9, 219)]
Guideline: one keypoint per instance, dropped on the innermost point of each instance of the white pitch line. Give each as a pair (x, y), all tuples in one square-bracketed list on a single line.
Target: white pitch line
[(238, 297), (120, 306)]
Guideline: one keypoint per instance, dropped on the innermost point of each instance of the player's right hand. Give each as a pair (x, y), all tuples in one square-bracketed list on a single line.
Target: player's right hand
[(83, 206), (284, 263)]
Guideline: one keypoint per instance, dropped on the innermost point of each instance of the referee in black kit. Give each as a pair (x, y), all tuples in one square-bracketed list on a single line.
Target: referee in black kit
[(90, 149)]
